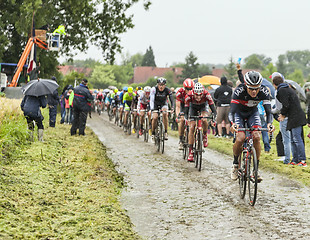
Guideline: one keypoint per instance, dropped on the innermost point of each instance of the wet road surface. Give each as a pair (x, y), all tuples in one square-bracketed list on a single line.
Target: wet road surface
[(167, 198)]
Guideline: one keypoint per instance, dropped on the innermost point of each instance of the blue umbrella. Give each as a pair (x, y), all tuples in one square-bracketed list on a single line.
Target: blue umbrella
[(268, 84)]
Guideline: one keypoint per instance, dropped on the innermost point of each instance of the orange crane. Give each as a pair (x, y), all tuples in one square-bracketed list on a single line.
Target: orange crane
[(23, 58)]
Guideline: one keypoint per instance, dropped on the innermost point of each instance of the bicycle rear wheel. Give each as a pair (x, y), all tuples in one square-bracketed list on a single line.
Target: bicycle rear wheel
[(199, 152), (242, 174), (252, 172)]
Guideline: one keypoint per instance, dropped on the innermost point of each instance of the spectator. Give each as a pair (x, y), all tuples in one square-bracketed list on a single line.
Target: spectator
[(265, 136), (57, 33), (296, 119), (31, 107), (284, 133), (53, 100), (62, 104), (81, 107), (222, 96), (68, 106)]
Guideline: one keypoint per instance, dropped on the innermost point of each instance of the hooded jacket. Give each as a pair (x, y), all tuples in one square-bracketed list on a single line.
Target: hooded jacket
[(82, 98), (31, 106), (290, 106)]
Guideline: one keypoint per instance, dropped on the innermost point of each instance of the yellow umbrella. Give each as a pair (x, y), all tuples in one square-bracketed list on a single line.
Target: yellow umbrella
[(209, 79)]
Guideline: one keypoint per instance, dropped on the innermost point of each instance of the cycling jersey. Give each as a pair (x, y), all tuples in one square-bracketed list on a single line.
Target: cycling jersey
[(143, 101), (194, 106), (127, 99), (158, 99), (245, 106)]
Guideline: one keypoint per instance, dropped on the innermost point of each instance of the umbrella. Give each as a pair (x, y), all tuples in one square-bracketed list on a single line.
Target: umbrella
[(209, 79), (298, 88), (106, 90), (39, 87), (268, 84)]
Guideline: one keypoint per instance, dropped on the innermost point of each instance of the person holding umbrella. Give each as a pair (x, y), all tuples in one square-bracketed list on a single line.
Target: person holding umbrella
[(34, 98), (81, 107)]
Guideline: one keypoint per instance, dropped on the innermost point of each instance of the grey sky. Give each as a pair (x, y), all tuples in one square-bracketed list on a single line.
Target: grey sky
[(216, 30)]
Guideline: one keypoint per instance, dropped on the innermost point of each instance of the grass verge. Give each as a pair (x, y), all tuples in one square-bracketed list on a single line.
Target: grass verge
[(63, 188)]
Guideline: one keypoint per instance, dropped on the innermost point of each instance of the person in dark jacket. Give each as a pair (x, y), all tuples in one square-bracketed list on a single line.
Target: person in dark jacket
[(296, 119), (222, 96), (81, 107), (53, 101), (31, 107)]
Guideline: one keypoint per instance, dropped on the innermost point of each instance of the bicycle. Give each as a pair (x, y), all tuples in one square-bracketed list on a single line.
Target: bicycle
[(198, 141), (146, 126), (247, 166), (185, 141), (128, 123), (116, 117), (160, 132)]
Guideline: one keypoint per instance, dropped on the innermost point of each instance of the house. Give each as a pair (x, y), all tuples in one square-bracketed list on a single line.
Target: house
[(69, 68), (142, 74)]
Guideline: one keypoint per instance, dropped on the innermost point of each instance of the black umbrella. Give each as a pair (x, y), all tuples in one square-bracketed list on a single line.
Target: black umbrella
[(39, 87)]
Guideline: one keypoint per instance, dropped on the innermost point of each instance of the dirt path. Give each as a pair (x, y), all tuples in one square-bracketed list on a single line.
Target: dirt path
[(167, 198)]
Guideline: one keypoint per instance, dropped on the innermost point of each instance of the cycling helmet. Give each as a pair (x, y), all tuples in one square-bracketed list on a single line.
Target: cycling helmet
[(130, 90), (115, 90), (125, 89), (147, 89), (161, 80), (253, 78), (198, 88), (137, 88), (188, 83)]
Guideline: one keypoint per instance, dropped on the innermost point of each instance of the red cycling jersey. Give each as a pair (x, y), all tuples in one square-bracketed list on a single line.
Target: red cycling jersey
[(206, 97), (180, 95)]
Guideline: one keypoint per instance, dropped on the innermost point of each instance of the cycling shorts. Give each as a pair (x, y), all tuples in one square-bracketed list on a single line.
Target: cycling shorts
[(194, 109), (252, 120)]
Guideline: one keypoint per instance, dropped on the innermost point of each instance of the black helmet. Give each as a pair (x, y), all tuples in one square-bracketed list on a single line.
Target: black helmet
[(161, 80), (253, 78)]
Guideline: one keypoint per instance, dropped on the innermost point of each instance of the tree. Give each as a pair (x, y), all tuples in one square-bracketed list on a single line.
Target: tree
[(297, 76), (70, 79), (270, 69), (85, 24), (148, 58), (103, 76), (190, 68), (231, 71), (281, 64), (253, 62)]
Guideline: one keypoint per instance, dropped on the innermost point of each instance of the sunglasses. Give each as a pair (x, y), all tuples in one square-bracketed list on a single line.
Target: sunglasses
[(161, 84), (253, 88), (188, 89)]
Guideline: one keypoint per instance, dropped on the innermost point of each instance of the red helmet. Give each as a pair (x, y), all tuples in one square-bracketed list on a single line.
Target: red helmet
[(188, 83)]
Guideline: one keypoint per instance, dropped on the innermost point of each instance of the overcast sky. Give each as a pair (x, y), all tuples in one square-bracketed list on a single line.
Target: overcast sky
[(216, 30)]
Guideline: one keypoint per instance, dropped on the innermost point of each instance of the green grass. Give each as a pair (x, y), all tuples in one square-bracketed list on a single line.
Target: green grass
[(267, 161), (63, 188)]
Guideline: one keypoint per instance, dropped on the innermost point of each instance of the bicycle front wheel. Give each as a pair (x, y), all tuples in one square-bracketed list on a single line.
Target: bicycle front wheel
[(242, 174), (137, 125), (252, 176), (129, 124), (162, 137), (146, 129), (199, 152), (185, 144)]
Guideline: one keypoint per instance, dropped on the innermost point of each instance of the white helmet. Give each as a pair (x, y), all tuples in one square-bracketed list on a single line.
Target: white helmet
[(253, 78), (198, 88), (147, 89)]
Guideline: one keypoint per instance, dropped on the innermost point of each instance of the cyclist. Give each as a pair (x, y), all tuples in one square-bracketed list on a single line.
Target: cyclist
[(243, 107), (143, 104), (115, 101), (127, 100), (158, 101), (108, 100), (121, 106), (99, 100), (197, 101), (134, 105), (188, 85)]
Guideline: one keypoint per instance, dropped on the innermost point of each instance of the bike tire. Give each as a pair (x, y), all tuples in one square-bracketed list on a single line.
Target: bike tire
[(162, 136), (146, 129), (200, 149), (129, 124), (116, 117), (157, 138), (252, 172), (195, 147), (138, 125), (242, 174), (185, 144)]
